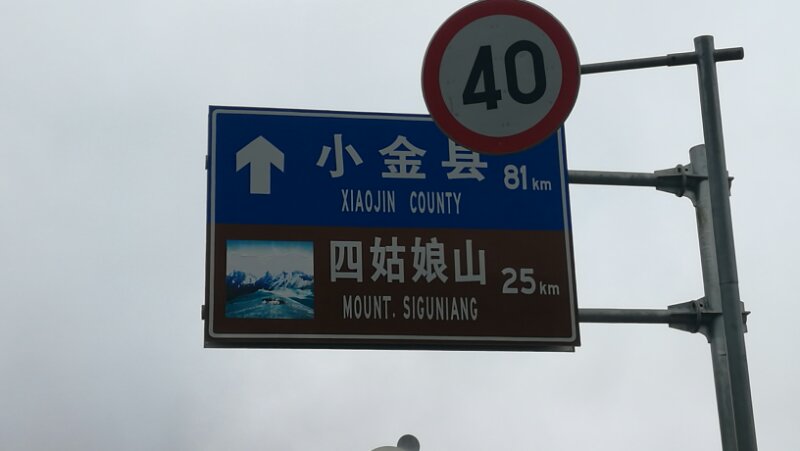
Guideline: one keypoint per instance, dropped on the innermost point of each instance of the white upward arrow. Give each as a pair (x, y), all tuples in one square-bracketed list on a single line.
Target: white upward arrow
[(261, 155)]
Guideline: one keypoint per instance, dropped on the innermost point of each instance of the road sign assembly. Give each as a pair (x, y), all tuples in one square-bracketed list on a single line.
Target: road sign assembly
[(363, 230)]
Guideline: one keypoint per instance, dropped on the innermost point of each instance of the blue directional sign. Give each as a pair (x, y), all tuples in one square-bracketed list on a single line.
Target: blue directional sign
[(339, 229)]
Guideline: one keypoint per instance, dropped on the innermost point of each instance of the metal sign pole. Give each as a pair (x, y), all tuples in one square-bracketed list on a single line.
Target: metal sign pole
[(719, 191), (716, 331), (719, 315)]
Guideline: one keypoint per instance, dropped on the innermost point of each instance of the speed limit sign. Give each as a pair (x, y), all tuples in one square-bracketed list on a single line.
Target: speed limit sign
[(500, 76)]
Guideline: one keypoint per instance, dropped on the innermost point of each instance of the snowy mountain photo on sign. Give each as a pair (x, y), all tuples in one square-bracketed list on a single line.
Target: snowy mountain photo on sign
[(269, 280)]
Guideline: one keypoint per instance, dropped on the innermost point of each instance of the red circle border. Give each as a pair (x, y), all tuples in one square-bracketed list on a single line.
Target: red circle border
[(565, 101)]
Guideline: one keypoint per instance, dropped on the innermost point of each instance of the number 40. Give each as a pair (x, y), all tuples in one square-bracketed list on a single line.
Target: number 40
[(484, 66)]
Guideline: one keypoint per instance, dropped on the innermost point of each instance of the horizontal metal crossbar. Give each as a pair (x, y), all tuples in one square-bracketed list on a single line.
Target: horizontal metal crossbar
[(673, 59), (612, 178), (629, 316)]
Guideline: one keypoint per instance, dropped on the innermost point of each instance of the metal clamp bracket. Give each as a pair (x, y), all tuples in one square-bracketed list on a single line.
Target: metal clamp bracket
[(695, 316), (680, 180)]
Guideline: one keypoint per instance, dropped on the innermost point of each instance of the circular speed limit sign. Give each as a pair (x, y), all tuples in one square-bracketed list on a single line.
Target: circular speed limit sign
[(500, 76)]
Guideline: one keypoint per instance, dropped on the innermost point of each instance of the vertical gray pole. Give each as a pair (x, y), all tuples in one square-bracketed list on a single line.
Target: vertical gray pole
[(716, 333), (719, 190)]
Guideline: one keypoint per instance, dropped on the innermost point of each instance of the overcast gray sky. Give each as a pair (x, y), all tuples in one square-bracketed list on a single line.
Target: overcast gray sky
[(103, 124)]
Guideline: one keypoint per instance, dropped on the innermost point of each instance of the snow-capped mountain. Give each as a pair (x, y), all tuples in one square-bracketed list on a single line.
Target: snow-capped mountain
[(239, 282), (294, 279)]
